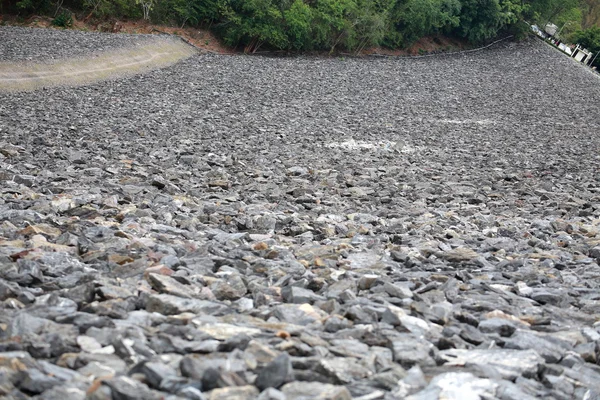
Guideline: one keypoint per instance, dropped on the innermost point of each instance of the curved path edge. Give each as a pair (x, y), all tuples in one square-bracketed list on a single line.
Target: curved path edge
[(24, 76)]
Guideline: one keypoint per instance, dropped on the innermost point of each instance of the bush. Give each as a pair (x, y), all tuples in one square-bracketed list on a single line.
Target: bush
[(413, 19), (63, 20)]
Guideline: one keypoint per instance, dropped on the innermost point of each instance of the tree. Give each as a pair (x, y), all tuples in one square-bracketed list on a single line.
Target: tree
[(546, 11), (589, 39), (299, 21), (253, 23), (591, 13), (147, 6), (413, 19), (481, 20)]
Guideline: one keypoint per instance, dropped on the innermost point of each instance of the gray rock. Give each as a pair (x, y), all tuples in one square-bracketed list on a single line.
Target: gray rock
[(167, 304), (168, 285), (34, 381), (156, 372), (499, 326), (509, 363), (276, 373), (315, 390), (271, 394), (457, 386), (524, 340), (232, 288), (125, 388), (234, 393), (298, 295), (398, 291), (408, 350)]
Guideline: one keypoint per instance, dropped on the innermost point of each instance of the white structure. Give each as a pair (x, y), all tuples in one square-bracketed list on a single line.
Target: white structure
[(582, 55), (565, 48), (538, 31), (550, 29)]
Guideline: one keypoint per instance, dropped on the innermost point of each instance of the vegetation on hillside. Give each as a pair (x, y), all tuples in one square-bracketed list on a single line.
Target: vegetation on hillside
[(349, 25)]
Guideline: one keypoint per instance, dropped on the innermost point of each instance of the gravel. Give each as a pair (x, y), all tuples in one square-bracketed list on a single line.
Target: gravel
[(41, 44), (291, 228)]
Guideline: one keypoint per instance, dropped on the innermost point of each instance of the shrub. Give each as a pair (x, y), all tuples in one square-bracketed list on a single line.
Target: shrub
[(63, 20)]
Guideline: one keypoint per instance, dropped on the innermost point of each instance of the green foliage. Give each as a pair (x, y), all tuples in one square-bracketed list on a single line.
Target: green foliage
[(114, 8), (299, 21), (332, 22), (371, 22), (63, 20), (549, 10), (33, 6), (252, 23), (414, 19), (346, 25), (589, 39)]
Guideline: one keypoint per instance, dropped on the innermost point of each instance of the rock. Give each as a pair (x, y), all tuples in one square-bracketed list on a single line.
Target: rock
[(509, 363), (367, 281), (156, 372), (546, 296), (408, 350), (315, 390), (298, 295), (167, 304), (222, 331), (232, 288), (398, 291), (168, 285), (460, 254), (34, 381), (550, 350), (342, 370), (499, 326), (302, 223), (298, 314), (271, 394), (276, 373), (457, 386), (234, 393), (129, 389), (411, 383)]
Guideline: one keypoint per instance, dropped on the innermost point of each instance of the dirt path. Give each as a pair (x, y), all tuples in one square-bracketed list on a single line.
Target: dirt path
[(19, 76)]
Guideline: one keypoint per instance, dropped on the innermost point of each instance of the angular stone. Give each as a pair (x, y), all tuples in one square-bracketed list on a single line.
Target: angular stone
[(409, 350), (155, 372), (550, 350), (397, 291), (34, 381), (298, 314), (315, 391), (457, 386), (276, 373), (167, 304), (223, 331), (298, 295), (499, 326), (125, 388), (232, 288), (342, 370), (509, 363), (168, 285), (234, 393)]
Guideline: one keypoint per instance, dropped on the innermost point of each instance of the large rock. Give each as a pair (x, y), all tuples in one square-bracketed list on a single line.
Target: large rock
[(510, 364)]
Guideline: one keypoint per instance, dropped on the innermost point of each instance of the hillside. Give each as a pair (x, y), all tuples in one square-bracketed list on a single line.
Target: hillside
[(335, 228)]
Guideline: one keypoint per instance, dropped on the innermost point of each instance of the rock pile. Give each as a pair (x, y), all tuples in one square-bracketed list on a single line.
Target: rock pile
[(253, 228)]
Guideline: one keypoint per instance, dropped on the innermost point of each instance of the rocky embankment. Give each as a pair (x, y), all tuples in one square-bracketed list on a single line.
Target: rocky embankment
[(297, 228)]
